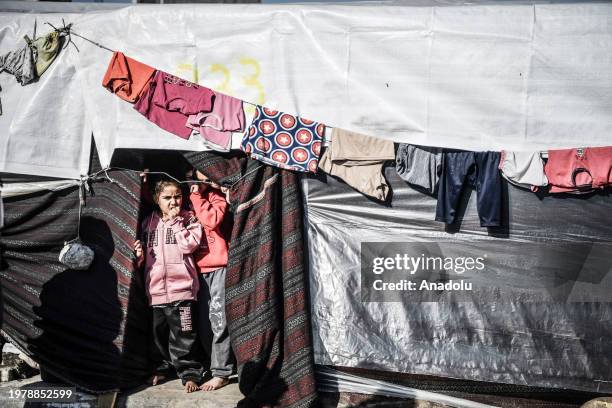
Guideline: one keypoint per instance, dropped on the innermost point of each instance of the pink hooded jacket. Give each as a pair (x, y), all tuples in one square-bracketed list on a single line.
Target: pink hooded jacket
[(170, 271)]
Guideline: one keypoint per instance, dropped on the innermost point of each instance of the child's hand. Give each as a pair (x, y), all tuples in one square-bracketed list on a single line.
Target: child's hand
[(144, 175), (202, 177), (139, 252), (174, 212), (226, 191), (207, 182), (194, 188)]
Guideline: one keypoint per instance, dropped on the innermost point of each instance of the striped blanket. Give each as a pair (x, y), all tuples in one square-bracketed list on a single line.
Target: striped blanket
[(266, 284), (87, 328)]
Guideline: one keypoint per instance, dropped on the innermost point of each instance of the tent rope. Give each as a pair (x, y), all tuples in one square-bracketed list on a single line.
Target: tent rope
[(91, 41)]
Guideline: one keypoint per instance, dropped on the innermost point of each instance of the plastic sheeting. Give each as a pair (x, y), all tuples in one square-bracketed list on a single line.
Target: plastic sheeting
[(520, 336), (330, 380), (476, 77), (17, 189)]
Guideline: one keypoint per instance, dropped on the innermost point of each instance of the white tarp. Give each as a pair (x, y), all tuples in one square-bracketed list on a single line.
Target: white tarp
[(473, 77), (43, 127)]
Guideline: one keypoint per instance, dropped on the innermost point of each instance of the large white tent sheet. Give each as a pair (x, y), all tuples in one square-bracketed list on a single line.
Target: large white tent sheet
[(43, 124), (524, 77)]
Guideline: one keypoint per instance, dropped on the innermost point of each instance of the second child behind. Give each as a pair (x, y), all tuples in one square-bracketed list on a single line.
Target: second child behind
[(210, 208)]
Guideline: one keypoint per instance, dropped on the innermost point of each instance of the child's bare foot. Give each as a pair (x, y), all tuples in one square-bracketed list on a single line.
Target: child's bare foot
[(190, 386), (214, 384), (156, 379)]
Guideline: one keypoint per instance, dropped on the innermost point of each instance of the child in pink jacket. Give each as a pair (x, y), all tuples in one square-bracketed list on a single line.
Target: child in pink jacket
[(169, 237)]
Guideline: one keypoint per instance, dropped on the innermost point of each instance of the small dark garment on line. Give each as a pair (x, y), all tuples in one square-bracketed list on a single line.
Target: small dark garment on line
[(480, 170)]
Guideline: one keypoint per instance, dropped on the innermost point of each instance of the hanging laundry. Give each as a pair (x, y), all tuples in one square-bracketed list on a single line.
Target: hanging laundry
[(169, 100), (21, 63), (420, 166), (238, 136), (126, 77), (216, 127), (358, 160), (27, 64), (47, 49), (283, 140), (523, 169), (579, 170), (478, 169)]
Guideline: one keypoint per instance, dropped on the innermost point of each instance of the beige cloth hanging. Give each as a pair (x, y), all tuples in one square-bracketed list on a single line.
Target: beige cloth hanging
[(358, 160)]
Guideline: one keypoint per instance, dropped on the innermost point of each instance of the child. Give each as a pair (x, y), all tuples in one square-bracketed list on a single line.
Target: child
[(210, 207), (169, 239)]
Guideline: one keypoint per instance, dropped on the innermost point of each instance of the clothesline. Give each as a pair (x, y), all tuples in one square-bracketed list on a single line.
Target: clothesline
[(294, 143), (83, 185), (97, 44), (63, 184), (326, 141), (93, 42)]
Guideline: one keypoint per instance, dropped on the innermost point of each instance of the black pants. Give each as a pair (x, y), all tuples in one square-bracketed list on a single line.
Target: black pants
[(480, 170), (176, 339)]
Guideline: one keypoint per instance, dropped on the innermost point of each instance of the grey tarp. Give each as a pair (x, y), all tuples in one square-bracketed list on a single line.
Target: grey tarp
[(541, 317)]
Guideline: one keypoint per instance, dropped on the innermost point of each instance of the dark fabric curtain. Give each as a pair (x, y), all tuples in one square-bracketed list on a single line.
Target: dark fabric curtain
[(266, 284), (88, 328)]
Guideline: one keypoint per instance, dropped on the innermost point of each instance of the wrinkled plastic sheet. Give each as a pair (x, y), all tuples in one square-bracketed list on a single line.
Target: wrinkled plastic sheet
[(485, 76), (334, 381), (520, 336), (17, 189)]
